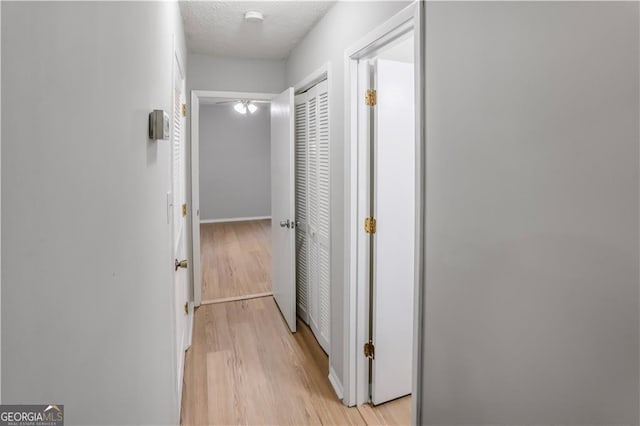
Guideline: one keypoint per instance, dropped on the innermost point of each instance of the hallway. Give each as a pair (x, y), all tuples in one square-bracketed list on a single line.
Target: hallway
[(245, 367), (526, 215)]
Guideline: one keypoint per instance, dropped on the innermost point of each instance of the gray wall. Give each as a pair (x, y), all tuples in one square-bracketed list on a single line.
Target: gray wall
[(532, 213), (244, 75), (87, 291), (341, 27), (235, 162)]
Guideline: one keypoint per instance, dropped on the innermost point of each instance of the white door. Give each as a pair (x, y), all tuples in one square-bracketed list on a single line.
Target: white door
[(318, 219), (313, 210), (178, 218), (394, 201), (283, 206)]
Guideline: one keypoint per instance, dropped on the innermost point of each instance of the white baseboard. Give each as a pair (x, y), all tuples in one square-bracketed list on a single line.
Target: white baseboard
[(335, 382), (304, 316), (234, 219)]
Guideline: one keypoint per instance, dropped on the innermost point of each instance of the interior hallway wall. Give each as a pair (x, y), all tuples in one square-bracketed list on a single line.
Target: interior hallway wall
[(531, 308), (235, 162), (87, 288), (343, 25), (208, 72)]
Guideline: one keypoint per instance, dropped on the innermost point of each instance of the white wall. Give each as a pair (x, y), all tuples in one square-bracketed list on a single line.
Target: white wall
[(341, 27), (532, 213), (235, 162), (87, 304)]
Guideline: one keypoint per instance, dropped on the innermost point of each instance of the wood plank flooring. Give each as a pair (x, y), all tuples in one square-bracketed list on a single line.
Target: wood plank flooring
[(245, 367), (235, 259)]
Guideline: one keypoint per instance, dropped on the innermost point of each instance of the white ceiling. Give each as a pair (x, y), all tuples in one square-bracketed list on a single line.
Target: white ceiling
[(218, 27)]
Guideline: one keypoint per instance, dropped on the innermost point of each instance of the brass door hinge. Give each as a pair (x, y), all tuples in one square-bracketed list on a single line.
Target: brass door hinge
[(184, 210), (186, 308), (184, 110), (370, 225), (369, 350), (184, 263), (371, 97)]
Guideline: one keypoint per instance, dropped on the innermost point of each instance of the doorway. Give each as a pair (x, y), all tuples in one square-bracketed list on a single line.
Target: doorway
[(231, 223), (384, 104), (235, 204)]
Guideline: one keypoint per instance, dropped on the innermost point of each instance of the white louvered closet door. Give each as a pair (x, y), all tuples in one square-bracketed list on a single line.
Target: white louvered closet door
[(314, 229), (321, 236), (302, 236)]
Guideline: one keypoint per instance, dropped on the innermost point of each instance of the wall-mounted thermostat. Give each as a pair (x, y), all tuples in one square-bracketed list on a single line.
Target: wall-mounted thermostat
[(159, 126)]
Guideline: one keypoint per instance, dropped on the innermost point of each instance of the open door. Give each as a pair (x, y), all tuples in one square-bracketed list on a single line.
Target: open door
[(177, 202), (394, 210), (282, 206)]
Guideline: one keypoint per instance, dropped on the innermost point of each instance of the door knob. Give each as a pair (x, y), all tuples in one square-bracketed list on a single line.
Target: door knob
[(181, 264), (285, 224)]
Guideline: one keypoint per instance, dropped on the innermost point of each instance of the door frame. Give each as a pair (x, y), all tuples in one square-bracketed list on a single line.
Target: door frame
[(320, 74), (197, 96), (356, 199)]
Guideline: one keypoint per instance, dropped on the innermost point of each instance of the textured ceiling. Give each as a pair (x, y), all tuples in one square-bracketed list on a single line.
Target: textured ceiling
[(218, 27)]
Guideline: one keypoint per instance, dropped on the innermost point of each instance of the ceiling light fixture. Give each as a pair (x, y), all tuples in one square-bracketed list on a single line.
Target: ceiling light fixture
[(240, 107), (243, 106), (254, 16)]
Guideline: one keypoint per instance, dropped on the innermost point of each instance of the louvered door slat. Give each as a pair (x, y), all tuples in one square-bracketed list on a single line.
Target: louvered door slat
[(177, 188)]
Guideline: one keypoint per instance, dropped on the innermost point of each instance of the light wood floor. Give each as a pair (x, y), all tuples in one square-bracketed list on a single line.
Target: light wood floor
[(245, 367), (235, 259)]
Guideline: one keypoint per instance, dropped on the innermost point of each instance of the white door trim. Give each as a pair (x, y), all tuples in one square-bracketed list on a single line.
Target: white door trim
[(355, 385), (197, 97), (322, 73)]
